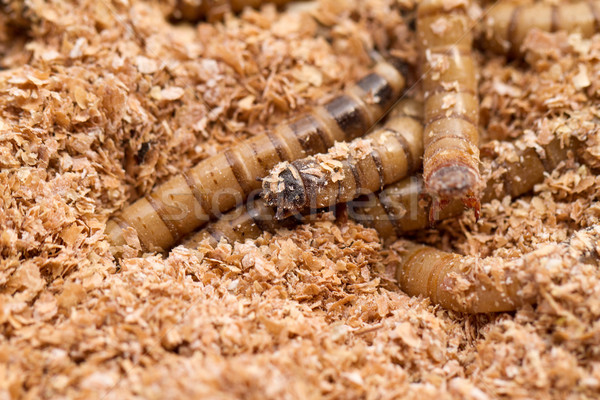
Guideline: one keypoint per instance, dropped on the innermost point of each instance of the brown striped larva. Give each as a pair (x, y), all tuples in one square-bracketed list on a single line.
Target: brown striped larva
[(451, 137), (364, 165), (507, 23), (219, 183)]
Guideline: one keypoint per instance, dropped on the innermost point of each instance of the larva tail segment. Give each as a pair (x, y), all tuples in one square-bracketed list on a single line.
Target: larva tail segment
[(350, 169), (219, 183), (451, 137), (507, 23)]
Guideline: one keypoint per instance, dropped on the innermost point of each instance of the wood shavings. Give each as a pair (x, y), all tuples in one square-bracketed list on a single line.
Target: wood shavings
[(100, 101)]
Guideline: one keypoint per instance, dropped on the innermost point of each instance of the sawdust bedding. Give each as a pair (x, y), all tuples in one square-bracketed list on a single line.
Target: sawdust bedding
[(102, 100)]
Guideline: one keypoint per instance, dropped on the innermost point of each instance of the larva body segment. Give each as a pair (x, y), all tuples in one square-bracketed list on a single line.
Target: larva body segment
[(349, 169), (507, 23), (451, 137), (213, 10), (219, 183)]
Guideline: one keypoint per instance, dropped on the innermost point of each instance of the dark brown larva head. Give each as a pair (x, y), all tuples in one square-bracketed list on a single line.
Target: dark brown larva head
[(452, 181), (286, 191)]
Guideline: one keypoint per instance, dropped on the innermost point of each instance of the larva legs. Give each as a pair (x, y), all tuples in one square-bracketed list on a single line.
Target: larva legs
[(219, 183), (451, 159), (507, 23), (350, 169), (247, 221)]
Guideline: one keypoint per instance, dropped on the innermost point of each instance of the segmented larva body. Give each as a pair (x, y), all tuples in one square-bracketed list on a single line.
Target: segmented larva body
[(475, 285), (507, 23), (219, 183), (427, 271), (247, 221), (348, 170), (451, 137), (403, 206), (212, 10), (424, 270)]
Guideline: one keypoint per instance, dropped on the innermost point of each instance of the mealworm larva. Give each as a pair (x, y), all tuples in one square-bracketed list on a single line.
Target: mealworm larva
[(451, 158), (212, 10), (474, 285), (401, 207), (219, 183), (507, 23), (349, 169), (429, 272)]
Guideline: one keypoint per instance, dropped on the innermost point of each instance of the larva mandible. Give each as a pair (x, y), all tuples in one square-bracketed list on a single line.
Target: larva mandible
[(212, 10), (507, 23), (401, 207), (348, 170), (475, 285), (219, 183), (451, 137)]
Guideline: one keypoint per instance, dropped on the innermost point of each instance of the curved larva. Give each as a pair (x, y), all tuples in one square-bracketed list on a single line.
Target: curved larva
[(458, 283), (483, 285), (348, 170), (507, 23), (451, 137), (217, 184)]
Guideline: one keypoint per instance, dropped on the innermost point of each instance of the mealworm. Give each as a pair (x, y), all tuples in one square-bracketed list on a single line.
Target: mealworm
[(350, 169), (429, 272), (507, 23), (219, 183), (451, 158), (401, 207), (213, 10), (473, 285)]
